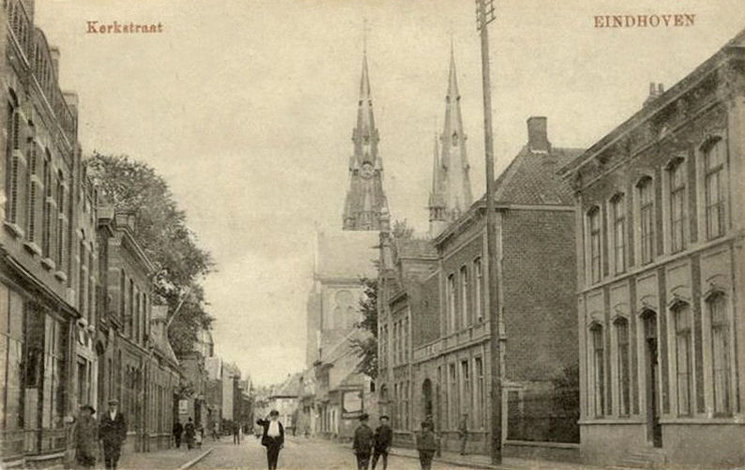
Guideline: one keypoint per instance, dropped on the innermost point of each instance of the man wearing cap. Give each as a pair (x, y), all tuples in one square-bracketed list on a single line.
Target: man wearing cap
[(86, 437), (363, 443), (383, 439), (273, 437), (112, 431)]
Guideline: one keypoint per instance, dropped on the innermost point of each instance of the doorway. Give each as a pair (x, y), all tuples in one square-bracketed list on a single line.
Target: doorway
[(427, 393), (654, 430)]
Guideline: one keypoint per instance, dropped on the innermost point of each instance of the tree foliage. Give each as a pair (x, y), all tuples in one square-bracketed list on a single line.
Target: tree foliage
[(161, 230)]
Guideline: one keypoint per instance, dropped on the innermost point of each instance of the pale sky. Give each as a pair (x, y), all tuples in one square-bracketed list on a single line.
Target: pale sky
[(246, 107)]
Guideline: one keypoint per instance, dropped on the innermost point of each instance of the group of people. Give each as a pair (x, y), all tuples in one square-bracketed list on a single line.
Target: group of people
[(110, 432), (189, 432), (376, 444)]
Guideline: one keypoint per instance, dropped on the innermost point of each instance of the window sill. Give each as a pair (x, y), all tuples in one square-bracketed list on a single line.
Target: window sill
[(612, 420), (48, 264), (61, 276), (740, 420), (14, 229), (32, 248)]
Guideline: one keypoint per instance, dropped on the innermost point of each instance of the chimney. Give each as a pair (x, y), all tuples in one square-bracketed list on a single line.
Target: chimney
[(655, 90), (538, 135)]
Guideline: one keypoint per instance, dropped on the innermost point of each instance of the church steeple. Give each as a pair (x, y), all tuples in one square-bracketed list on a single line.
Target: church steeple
[(451, 169), (365, 198)]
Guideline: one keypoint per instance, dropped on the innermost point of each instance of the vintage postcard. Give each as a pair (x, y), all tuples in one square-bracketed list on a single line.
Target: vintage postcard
[(307, 234)]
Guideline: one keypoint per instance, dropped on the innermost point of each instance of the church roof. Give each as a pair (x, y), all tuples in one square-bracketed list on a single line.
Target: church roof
[(347, 254)]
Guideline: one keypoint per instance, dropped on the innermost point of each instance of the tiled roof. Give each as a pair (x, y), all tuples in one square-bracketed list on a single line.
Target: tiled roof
[(291, 387), (532, 178)]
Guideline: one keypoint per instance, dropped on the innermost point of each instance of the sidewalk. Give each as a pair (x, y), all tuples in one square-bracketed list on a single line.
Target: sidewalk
[(484, 461), (169, 459)]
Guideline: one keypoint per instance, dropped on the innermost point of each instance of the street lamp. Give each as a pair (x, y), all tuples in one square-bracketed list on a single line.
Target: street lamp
[(484, 16)]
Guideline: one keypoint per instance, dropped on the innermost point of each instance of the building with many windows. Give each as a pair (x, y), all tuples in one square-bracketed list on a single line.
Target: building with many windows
[(435, 337), (660, 225), (48, 250)]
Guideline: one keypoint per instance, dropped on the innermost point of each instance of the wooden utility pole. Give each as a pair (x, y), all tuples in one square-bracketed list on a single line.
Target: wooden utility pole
[(484, 16)]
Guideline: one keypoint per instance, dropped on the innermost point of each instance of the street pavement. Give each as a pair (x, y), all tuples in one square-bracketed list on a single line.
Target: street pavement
[(298, 454)]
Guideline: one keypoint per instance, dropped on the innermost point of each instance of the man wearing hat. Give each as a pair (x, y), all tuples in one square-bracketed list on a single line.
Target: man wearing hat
[(112, 431), (86, 437), (363, 443), (273, 437)]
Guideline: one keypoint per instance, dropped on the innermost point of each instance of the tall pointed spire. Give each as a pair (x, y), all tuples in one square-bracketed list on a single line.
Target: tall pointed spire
[(436, 203), (452, 170), (365, 198)]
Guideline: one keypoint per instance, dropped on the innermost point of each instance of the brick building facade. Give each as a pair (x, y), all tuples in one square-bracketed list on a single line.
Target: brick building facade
[(659, 249), (48, 250), (444, 368)]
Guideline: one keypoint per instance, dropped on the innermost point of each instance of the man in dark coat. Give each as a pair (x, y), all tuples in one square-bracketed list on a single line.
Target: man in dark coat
[(112, 431), (383, 439), (190, 431), (426, 445), (178, 429), (363, 443), (273, 437)]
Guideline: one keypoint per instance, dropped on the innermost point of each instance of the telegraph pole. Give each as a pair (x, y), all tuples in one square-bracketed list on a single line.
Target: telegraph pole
[(484, 16)]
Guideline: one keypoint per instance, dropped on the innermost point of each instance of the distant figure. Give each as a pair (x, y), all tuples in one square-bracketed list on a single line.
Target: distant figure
[(190, 432), (426, 445), (178, 430), (273, 437), (463, 433), (86, 437), (236, 433), (383, 438), (112, 431), (363, 443), (198, 437)]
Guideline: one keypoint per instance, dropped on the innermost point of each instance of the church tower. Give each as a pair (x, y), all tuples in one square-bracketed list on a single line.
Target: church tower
[(451, 186), (366, 205)]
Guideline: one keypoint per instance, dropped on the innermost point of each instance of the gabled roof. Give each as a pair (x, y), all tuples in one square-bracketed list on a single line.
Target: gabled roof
[(291, 387), (532, 178)]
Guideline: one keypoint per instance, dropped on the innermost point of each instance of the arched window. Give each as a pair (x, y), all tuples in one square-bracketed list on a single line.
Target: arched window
[(618, 214), (714, 158), (646, 218), (598, 366), (676, 173), (684, 357), (593, 224), (720, 353), (624, 380)]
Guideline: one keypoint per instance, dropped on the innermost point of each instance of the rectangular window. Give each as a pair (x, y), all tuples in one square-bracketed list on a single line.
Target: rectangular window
[(480, 393), (646, 216), (684, 353), (14, 163), (714, 198), (450, 293), (464, 291), (453, 397), (478, 304), (598, 362), (677, 207), (624, 382), (32, 196), (465, 378), (595, 244), (720, 345), (619, 234)]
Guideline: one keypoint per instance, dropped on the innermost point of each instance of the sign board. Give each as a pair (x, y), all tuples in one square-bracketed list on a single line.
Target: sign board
[(183, 407), (351, 404)]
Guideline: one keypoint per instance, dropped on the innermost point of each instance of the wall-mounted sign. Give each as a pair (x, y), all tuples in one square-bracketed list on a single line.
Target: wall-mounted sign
[(351, 404), (183, 407)]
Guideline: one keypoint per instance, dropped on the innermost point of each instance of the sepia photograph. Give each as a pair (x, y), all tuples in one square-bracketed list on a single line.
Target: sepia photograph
[(372, 234)]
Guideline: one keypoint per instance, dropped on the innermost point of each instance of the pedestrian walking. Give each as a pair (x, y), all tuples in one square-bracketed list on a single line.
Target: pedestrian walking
[(273, 437), (86, 437), (463, 433), (112, 431), (383, 438), (190, 432), (178, 430), (363, 443), (426, 445), (236, 433)]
